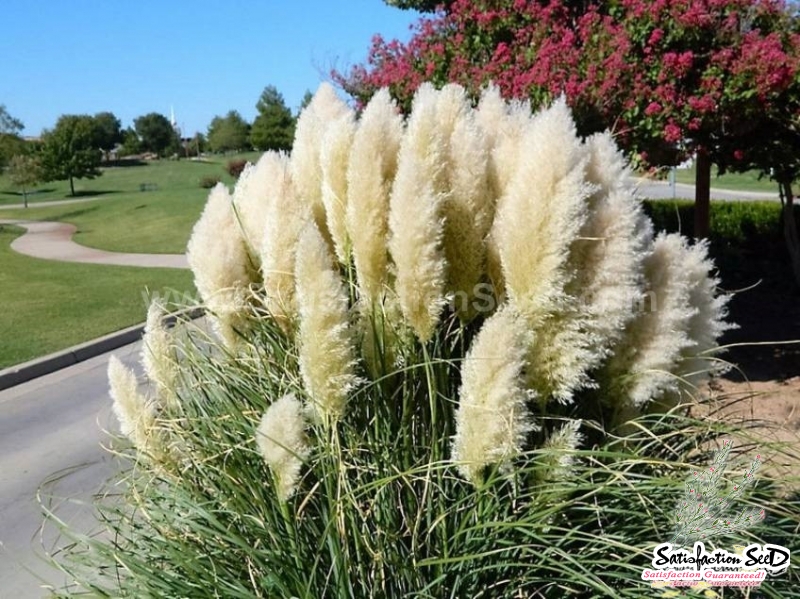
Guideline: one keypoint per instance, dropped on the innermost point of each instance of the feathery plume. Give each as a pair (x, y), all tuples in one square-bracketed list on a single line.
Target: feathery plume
[(372, 168), (283, 443), (252, 198), (492, 420), (218, 257), (505, 125), (312, 125), (558, 455), (285, 217), (468, 205), (327, 355), (135, 413), (334, 159), (542, 212), (707, 324), (415, 219), (159, 356), (643, 364), (605, 262)]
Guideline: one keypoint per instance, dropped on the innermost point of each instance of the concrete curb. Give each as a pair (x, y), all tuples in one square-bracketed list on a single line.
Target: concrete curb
[(22, 373)]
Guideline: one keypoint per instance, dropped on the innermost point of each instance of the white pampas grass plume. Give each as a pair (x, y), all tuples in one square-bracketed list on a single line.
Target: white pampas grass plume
[(505, 125), (327, 355), (415, 219), (617, 236), (285, 217), (334, 160), (159, 354), (707, 324), (283, 443), (605, 260), (643, 365), (253, 196), (313, 123), (372, 168), (468, 206), (135, 413), (558, 452), (492, 419), (542, 212), (218, 257)]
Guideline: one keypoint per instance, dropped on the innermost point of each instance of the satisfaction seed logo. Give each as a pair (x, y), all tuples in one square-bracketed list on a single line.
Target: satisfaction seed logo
[(707, 511)]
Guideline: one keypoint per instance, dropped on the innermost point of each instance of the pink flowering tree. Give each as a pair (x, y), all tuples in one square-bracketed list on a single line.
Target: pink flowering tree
[(672, 78)]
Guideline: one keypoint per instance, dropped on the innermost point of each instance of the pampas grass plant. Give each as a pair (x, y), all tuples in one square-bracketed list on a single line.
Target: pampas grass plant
[(352, 430)]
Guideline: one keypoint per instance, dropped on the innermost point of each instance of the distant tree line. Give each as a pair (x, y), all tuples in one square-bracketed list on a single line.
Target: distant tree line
[(76, 146)]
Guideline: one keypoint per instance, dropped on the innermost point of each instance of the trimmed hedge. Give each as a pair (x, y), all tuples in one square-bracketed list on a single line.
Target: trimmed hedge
[(755, 227)]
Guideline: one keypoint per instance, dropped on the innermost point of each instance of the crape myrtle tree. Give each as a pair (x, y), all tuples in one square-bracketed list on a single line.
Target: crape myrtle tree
[(69, 151), (671, 78), (273, 128)]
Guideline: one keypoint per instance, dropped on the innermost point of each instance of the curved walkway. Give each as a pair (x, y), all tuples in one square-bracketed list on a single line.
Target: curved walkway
[(53, 241), (47, 203)]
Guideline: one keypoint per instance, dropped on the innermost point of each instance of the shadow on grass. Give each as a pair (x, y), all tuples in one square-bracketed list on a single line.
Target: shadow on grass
[(31, 194), (124, 163), (91, 193)]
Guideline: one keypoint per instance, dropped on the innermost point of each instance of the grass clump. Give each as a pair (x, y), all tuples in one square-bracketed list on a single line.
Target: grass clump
[(487, 404)]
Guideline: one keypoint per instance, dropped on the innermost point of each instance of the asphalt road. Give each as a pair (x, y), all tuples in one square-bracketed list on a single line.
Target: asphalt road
[(51, 443), (662, 190)]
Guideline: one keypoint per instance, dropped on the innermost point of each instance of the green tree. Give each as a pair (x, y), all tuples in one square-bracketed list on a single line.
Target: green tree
[(227, 133), (273, 128), (109, 131), (131, 144), (420, 5), (11, 143), (69, 150), (24, 172), (156, 134), (307, 97)]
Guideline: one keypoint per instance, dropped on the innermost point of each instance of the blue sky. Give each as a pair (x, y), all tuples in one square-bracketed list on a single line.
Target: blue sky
[(203, 57)]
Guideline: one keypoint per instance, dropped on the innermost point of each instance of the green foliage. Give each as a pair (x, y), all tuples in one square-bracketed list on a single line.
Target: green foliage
[(228, 133), (131, 144), (273, 128), (379, 512), (11, 143), (749, 225), (109, 130), (209, 182), (419, 5), (70, 151), (156, 134), (24, 172)]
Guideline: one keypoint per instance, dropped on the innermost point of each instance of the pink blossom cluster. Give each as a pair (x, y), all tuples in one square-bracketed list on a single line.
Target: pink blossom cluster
[(666, 75)]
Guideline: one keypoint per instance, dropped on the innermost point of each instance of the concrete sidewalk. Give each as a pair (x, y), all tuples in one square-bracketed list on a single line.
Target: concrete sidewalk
[(53, 241)]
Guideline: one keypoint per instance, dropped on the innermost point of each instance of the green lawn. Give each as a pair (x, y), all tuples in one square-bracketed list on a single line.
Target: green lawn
[(748, 181), (48, 305), (121, 217)]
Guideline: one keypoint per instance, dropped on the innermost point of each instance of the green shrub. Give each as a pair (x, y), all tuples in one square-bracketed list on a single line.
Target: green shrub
[(235, 167), (753, 226), (209, 182)]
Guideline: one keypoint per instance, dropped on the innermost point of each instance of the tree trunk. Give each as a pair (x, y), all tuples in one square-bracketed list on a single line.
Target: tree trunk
[(24, 197), (702, 195), (790, 228), (72, 186)]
